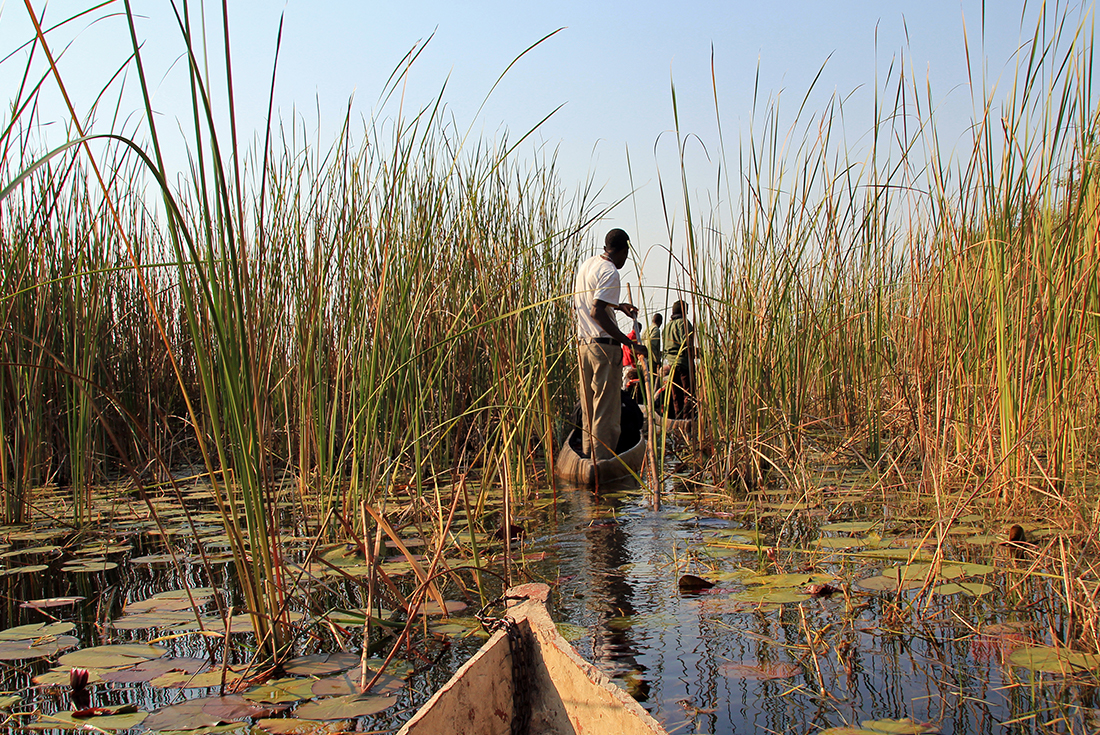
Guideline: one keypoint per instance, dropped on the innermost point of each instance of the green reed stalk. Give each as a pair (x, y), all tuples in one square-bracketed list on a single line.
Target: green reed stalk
[(932, 314)]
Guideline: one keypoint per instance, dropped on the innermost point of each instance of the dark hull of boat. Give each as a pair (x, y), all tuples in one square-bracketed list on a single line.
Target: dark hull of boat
[(572, 468), (678, 427)]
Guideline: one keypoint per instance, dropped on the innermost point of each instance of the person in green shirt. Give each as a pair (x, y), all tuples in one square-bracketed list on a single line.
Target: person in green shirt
[(651, 339), (679, 338)]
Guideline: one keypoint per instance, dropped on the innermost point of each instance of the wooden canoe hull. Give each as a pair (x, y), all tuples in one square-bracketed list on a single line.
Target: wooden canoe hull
[(680, 428), (568, 694), (574, 469)]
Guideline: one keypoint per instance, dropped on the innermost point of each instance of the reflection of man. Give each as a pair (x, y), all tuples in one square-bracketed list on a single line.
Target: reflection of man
[(680, 357), (595, 299)]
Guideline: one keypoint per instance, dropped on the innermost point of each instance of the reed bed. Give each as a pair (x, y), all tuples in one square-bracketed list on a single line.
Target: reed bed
[(386, 308), (376, 318), (365, 318), (908, 306)]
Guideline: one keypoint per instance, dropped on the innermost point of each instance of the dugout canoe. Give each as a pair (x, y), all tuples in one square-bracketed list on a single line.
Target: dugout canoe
[(531, 673), (576, 469), (677, 428), (573, 467)]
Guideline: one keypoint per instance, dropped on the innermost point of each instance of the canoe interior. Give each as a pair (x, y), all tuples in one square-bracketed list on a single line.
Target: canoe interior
[(567, 694)]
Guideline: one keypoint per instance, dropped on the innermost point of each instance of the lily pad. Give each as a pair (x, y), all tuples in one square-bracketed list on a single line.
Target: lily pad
[(89, 567), (898, 727), (281, 691), (152, 559), (60, 676), (341, 708), (347, 683), (786, 580), (20, 650), (357, 616), (38, 630), (907, 576), (104, 549), (291, 726), (570, 632), (1053, 660), (242, 623), (66, 721), (112, 656), (721, 552), (432, 608), (177, 619), (49, 602), (851, 526), (148, 670), (452, 629), (967, 589), (838, 542), (229, 728), (206, 712), (900, 554), (29, 569), (171, 600), (881, 583), (189, 680), (29, 551), (321, 664), (773, 595)]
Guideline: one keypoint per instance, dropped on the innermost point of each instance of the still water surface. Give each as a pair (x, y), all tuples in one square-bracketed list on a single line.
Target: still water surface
[(754, 654)]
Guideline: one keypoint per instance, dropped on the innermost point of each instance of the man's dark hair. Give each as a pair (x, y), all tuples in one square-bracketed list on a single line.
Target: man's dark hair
[(658, 319), (616, 240), (679, 309)]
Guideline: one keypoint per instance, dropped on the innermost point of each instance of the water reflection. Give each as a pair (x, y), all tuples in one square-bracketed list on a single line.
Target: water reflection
[(701, 663), (613, 645), (597, 562)]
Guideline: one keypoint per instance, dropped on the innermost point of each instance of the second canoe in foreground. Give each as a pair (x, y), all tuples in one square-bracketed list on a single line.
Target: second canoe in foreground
[(531, 673)]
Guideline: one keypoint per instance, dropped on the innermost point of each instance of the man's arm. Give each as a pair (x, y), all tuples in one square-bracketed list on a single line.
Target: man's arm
[(603, 317)]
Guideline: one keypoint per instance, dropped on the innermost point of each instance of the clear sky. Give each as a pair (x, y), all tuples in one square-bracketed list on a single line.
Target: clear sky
[(611, 69)]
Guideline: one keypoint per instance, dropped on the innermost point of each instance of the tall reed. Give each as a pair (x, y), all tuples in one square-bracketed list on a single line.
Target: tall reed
[(906, 306), (367, 318)]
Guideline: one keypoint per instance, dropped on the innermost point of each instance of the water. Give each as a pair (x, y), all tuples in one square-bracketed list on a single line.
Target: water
[(740, 657), (702, 663)]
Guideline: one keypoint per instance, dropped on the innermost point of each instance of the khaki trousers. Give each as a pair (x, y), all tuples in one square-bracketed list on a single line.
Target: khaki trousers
[(601, 369)]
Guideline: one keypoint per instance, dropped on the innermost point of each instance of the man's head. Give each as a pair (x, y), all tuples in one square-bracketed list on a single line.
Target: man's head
[(658, 320), (680, 308), (616, 246)]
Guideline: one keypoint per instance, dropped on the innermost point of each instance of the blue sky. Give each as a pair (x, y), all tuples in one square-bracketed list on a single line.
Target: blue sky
[(611, 68)]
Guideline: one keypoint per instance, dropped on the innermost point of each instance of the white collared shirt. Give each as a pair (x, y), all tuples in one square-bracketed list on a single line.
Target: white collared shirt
[(597, 279)]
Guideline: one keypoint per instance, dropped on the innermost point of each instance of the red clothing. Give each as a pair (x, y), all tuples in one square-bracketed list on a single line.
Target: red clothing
[(628, 352)]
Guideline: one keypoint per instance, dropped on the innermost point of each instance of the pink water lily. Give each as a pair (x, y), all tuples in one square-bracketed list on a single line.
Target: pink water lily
[(78, 679)]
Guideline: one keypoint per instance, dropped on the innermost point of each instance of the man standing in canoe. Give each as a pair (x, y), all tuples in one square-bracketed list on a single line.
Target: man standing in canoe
[(599, 341), (680, 357)]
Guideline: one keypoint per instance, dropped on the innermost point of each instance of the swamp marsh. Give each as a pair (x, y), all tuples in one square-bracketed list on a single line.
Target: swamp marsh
[(265, 428)]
